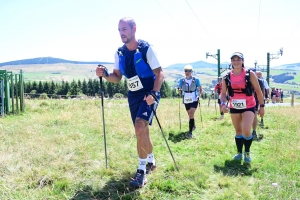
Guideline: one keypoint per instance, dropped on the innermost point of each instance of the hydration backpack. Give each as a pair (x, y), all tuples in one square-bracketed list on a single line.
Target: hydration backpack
[(248, 89)]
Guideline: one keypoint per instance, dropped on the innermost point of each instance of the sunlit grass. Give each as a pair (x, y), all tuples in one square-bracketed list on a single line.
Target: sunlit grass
[(55, 150)]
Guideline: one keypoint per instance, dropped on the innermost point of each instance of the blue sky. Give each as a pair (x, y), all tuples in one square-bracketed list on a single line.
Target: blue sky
[(182, 31)]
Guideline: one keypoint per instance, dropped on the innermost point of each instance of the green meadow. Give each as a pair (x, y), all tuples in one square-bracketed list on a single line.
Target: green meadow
[(55, 150)]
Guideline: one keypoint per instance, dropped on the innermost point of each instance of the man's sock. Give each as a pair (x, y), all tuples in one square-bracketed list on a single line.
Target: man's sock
[(142, 164), (151, 159)]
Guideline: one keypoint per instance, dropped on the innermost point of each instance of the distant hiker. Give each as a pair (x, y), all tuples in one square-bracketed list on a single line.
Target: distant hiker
[(273, 95), (277, 95), (255, 121), (266, 93), (218, 89), (281, 95), (238, 83), (191, 92), (138, 62)]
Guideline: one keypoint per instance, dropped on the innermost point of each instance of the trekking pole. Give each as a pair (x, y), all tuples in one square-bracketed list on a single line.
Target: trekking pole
[(102, 94), (164, 135), (179, 108), (200, 112)]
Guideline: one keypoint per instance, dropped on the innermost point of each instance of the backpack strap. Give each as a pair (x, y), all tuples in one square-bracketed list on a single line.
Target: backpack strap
[(228, 84)]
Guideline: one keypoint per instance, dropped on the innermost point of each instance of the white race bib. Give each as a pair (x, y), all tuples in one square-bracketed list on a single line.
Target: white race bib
[(134, 83), (239, 103), (188, 98)]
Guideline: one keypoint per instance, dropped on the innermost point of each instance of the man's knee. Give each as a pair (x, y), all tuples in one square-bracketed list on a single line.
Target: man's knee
[(140, 125)]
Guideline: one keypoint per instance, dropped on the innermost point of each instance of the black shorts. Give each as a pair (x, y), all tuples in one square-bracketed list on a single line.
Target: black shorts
[(191, 105), (236, 111), (219, 101)]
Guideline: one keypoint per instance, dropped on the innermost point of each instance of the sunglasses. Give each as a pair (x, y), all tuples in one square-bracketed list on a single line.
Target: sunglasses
[(187, 70)]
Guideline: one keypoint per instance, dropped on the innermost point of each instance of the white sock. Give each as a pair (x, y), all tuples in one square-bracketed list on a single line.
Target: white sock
[(151, 158), (142, 165)]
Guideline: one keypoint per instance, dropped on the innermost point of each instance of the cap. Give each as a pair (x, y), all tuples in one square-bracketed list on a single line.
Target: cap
[(188, 67), (238, 54)]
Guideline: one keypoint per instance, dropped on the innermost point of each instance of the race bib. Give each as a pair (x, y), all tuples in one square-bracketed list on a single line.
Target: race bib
[(188, 98), (239, 103), (134, 83)]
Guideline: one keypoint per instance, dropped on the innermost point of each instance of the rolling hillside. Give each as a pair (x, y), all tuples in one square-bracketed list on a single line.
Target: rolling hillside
[(56, 69)]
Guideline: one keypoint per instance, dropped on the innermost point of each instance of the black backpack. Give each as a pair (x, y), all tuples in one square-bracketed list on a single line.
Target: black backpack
[(248, 89)]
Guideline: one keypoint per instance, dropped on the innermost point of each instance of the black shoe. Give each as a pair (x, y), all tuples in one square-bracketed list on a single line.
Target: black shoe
[(139, 180), (189, 135), (254, 135), (150, 168)]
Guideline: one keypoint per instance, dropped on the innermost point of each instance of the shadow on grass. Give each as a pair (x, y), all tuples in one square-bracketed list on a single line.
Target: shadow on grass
[(177, 137), (114, 189), (235, 168)]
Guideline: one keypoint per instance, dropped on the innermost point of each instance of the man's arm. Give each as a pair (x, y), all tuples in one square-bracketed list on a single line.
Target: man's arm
[(114, 77), (159, 79)]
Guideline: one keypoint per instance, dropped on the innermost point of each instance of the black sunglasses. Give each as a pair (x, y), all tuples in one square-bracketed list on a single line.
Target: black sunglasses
[(187, 70)]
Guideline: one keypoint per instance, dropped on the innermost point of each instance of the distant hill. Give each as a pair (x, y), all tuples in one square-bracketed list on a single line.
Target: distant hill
[(293, 66), (196, 65), (179, 66), (47, 60)]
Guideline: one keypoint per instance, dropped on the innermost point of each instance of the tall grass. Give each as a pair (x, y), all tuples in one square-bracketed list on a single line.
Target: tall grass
[(55, 150)]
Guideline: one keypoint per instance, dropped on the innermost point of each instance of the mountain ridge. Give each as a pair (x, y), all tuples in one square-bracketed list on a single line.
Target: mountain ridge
[(48, 60), (177, 66)]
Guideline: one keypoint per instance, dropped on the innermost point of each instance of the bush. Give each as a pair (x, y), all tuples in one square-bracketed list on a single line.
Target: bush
[(43, 96), (118, 96)]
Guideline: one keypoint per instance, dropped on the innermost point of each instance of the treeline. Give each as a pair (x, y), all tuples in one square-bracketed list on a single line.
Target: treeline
[(281, 78), (90, 87)]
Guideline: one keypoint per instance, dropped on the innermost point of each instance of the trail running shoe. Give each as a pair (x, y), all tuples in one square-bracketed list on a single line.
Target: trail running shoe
[(189, 135), (222, 117), (150, 168), (254, 135), (247, 158), (238, 156), (139, 180)]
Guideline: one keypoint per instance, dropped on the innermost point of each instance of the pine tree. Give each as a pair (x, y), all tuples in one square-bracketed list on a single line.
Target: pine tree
[(90, 88), (46, 87), (52, 88), (74, 90), (165, 90), (40, 88), (84, 87)]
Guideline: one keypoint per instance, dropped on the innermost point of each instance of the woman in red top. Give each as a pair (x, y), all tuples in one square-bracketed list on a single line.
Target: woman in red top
[(242, 106)]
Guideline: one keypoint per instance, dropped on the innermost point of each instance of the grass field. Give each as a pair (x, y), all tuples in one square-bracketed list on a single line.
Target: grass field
[(55, 150)]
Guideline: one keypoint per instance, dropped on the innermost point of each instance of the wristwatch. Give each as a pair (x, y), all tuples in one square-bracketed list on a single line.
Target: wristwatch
[(155, 93), (262, 105)]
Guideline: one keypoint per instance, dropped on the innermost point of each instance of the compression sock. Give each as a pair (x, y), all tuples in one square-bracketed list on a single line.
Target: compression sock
[(191, 125), (247, 143), (239, 141)]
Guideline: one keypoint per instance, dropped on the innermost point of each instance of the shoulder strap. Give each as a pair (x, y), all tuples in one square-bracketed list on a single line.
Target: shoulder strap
[(121, 51)]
